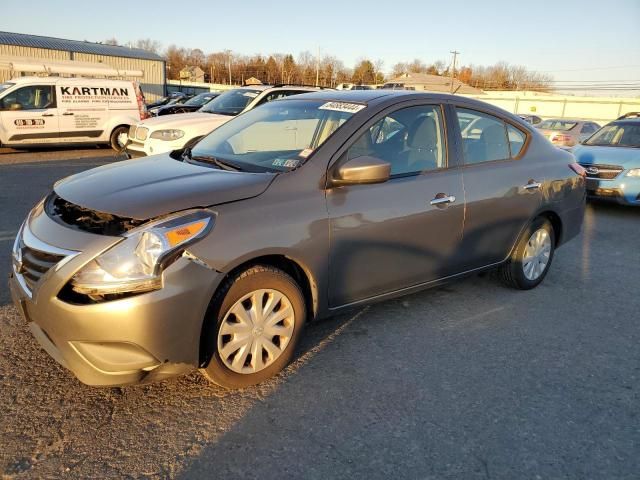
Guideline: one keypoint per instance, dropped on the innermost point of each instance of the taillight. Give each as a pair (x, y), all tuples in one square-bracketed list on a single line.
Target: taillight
[(576, 167), (561, 138), (142, 107)]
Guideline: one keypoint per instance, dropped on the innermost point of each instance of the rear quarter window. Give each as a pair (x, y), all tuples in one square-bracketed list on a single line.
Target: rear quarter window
[(517, 140)]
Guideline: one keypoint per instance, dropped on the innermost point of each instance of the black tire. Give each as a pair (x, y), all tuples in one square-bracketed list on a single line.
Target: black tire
[(113, 139), (235, 288), (512, 273)]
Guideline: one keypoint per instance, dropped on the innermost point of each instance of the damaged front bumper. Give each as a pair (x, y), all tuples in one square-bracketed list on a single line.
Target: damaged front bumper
[(136, 339)]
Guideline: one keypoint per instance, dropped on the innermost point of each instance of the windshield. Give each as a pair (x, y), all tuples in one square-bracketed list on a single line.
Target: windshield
[(278, 137), (561, 125), (617, 135), (5, 86), (232, 102), (199, 100)]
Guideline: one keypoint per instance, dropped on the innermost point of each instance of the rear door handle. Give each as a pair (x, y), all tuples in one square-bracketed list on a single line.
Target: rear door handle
[(442, 199), (532, 185), (68, 113), (47, 114)]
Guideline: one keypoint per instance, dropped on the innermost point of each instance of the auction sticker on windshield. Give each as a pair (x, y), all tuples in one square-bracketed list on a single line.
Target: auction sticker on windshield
[(342, 107)]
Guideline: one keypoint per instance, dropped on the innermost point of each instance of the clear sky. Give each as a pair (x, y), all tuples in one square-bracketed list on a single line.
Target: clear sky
[(571, 40)]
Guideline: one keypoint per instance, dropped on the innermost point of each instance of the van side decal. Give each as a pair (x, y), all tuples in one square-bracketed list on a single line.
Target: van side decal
[(94, 91), (31, 136)]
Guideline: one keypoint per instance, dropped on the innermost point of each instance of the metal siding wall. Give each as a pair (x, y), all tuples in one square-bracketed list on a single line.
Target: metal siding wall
[(28, 52), (152, 82)]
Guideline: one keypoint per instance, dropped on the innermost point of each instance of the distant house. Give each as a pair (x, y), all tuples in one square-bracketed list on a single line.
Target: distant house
[(431, 83), (192, 74), (252, 81)]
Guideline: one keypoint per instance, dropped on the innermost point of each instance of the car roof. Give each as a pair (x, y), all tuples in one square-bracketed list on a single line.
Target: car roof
[(371, 97), (626, 121)]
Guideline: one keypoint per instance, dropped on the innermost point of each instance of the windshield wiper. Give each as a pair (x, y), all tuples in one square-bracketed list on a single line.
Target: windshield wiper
[(221, 164)]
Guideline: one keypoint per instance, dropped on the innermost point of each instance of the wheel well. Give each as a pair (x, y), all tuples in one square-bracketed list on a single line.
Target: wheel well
[(556, 223), (290, 267), (117, 127)]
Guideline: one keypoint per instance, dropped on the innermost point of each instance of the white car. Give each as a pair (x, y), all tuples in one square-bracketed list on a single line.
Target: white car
[(172, 132)]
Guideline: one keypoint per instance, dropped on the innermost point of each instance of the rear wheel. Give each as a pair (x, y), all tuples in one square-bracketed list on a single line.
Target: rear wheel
[(253, 326), (532, 257), (118, 138)]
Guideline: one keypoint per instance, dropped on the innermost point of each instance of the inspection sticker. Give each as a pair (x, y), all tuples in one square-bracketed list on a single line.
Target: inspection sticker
[(282, 162), (306, 152), (342, 107)]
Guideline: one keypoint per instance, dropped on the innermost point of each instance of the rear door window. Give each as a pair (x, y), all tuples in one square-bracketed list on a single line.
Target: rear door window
[(484, 137)]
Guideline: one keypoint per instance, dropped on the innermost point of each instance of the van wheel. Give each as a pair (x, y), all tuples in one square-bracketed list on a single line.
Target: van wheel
[(116, 140), (252, 327), (532, 257)]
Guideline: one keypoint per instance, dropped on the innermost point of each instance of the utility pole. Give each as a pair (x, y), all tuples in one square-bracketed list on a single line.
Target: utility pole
[(318, 67), (453, 69), (229, 54)]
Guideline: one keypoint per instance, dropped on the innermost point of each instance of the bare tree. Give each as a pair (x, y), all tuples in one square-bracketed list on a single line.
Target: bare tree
[(149, 45)]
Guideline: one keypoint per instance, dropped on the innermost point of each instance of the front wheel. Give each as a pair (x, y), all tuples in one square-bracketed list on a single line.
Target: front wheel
[(531, 259), (253, 326), (118, 138)]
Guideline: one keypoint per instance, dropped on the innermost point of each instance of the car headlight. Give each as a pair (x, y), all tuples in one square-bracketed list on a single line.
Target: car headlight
[(634, 172), (135, 264), (170, 134)]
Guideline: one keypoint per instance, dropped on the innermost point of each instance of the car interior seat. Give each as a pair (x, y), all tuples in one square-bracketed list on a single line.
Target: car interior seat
[(422, 145), (494, 141)]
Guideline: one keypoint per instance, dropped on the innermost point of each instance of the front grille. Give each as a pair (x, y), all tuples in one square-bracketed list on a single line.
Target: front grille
[(141, 133), (87, 220), (35, 264), (602, 172)]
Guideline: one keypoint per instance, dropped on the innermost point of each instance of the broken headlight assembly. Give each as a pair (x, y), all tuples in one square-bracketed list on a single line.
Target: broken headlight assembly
[(135, 264)]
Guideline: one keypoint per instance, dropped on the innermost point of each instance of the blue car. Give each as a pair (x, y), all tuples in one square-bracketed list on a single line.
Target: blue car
[(611, 157)]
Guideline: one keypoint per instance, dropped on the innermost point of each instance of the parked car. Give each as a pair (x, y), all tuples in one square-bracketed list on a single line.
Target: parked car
[(172, 97), (178, 100), (36, 111), (531, 119), (165, 134), (215, 257), (191, 105), (611, 158), (565, 133)]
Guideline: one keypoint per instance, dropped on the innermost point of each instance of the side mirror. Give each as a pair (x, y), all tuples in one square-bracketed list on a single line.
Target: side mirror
[(15, 106), (361, 171)]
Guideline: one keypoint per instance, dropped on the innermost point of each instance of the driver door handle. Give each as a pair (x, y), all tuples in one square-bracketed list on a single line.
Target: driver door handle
[(47, 114), (532, 185), (442, 199), (68, 113)]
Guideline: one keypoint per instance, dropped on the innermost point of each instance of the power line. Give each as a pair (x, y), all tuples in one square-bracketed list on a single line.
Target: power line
[(587, 69)]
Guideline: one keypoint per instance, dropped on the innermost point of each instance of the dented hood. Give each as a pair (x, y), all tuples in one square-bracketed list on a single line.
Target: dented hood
[(158, 185)]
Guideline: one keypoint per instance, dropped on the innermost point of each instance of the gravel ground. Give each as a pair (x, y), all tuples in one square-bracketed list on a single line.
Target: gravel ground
[(470, 380)]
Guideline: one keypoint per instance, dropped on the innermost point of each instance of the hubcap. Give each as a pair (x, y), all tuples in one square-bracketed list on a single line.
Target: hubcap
[(255, 331), (122, 138), (536, 254)]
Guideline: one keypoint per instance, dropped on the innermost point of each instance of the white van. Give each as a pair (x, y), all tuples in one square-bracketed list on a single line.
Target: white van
[(56, 110)]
